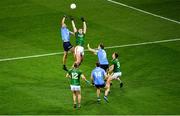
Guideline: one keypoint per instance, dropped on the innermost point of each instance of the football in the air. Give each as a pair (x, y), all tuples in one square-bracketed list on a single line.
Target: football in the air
[(73, 6)]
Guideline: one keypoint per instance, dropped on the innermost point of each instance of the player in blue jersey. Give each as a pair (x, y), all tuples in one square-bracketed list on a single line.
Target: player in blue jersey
[(97, 76), (102, 56), (65, 34)]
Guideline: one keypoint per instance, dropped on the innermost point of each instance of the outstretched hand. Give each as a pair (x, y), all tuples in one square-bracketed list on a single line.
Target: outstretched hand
[(88, 82)]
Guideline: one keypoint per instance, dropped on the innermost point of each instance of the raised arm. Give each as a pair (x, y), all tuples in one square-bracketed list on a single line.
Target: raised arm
[(84, 25), (72, 33), (73, 25), (63, 21), (92, 50)]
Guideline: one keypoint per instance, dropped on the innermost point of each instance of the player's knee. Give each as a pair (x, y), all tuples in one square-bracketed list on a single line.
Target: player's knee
[(65, 55)]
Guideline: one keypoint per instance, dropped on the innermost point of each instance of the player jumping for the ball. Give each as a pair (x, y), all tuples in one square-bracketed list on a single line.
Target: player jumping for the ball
[(75, 74), (65, 33), (80, 35)]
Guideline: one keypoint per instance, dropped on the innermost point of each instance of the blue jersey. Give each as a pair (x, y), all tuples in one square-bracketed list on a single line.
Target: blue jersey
[(102, 57), (98, 75), (65, 34)]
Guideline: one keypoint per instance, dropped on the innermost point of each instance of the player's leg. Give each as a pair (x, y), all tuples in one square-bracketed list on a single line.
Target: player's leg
[(98, 91), (109, 81), (67, 46), (117, 77), (76, 54), (79, 52), (78, 58), (64, 60), (65, 57), (107, 89), (78, 95), (120, 81), (82, 57), (79, 98), (74, 98), (73, 51), (82, 54)]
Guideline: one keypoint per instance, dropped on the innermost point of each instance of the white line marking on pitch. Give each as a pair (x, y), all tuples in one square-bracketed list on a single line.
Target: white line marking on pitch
[(137, 9), (120, 46)]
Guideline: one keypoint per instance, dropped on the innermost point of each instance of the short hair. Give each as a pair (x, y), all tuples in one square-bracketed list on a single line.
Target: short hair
[(116, 55), (101, 45), (76, 65), (97, 64)]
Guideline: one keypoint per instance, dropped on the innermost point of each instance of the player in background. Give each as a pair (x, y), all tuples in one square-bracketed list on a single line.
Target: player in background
[(75, 74), (114, 71), (80, 35), (102, 56), (65, 34), (97, 76)]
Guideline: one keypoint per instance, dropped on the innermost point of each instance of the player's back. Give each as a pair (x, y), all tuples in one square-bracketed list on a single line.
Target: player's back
[(65, 34), (75, 76), (102, 56), (98, 75)]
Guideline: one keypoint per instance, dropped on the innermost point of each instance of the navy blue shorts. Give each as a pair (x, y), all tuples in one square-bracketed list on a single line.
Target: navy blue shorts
[(104, 66), (67, 46), (100, 86)]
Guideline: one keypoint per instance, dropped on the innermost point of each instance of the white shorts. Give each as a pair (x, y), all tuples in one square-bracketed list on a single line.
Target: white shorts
[(75, 88), (79, 50), (116, 75)]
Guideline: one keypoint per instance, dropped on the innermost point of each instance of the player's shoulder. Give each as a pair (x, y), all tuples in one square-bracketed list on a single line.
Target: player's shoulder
[(70, 70), (94, 70), (113, 60), (63, 27), (104, 50), (102, 70), (98, 50), (79, 71), (117, 60)]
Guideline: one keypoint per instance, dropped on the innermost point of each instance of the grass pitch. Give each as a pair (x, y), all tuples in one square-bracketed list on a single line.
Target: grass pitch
[(38, 85)]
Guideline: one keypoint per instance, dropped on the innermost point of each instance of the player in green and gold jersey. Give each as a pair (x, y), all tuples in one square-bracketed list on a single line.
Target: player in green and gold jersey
[(75, 74), (80, 35), (115, 73)]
